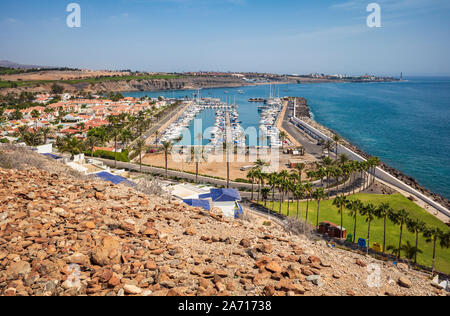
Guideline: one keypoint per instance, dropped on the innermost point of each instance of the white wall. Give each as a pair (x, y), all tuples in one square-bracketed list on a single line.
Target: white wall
[(45, 149), (381, 174), (226, 207)]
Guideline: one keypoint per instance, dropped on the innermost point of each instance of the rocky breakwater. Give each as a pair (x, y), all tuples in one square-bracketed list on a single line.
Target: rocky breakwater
[(301, 108), (63, 236)]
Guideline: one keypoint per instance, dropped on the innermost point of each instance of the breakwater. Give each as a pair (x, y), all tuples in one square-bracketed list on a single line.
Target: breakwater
[(409, 181)]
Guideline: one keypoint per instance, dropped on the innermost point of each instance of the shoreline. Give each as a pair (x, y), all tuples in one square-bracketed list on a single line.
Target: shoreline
[(177, 84), (412, 182)]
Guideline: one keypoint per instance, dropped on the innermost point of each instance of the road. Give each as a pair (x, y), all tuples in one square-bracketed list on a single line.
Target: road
[(311, 147), (157, 126)]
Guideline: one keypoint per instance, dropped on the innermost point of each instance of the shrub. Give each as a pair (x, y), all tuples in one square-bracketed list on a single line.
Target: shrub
[(239, 180), (123, 156)]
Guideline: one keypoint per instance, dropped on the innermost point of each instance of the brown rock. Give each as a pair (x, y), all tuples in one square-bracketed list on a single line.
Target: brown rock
[(273, 267), (17, 270), (405, 282), (108, 252), (269, 290), (90, 225), (245, 243), (190, 231)]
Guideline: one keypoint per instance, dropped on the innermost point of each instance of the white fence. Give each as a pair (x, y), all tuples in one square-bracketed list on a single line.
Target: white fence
[(381, 174)]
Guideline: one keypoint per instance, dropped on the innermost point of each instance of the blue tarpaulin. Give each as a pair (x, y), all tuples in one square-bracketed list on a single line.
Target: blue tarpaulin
[(198, 203), (239, 211), (53, 156), (113, 178)]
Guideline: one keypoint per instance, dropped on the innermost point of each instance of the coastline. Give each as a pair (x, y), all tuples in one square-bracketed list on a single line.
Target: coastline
[(176, 84), (392, 171)]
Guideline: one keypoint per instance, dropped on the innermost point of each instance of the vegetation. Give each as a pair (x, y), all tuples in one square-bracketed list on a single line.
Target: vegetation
[(93, 80), (434, 240)]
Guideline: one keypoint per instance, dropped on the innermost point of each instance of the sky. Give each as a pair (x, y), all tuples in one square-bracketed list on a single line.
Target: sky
[(277, 36)]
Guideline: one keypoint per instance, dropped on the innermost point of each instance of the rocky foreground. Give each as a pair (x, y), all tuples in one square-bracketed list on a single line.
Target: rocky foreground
[(66, 236)]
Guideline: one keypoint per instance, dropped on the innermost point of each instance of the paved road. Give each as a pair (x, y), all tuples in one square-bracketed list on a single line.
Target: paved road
[(311, 147), (147, 134), (176, 174)]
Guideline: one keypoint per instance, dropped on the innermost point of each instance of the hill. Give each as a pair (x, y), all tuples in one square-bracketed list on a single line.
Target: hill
[(11, 64), (62, 234)]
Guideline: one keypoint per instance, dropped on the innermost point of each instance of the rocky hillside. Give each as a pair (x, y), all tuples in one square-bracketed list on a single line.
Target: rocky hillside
[(184, 83), (62, 235)]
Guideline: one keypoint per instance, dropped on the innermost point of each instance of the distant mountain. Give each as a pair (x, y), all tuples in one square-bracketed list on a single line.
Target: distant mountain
[(10, 64)]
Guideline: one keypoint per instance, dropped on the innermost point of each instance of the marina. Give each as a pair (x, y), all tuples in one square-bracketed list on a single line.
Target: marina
[(227, 126)]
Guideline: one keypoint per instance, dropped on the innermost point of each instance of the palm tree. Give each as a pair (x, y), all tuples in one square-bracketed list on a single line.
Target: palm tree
[(336, 139), (91, 142), (374, 162), (126, 136), (433, 235), (341, 202), (156, 133), (283, 137), (400, 218), (289, 187), (355, 208), (300, 167), (318, 195), (343, 159), (328, 146), (258, 176), (258, 166), (167, 147), (273, 182), (265, 195), (251, 175), (45, 132), (227, 147), (199, 155), (369, 211), (410, 251), (307, 188), (416, 226), (73, 146), (114, 131), (22, 130), (140, 147), (384, 211), (299, 195)]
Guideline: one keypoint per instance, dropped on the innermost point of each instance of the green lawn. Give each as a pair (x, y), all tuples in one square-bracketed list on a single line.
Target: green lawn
[(328, 212)]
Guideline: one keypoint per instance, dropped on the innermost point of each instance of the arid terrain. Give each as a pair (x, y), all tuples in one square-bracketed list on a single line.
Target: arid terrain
[(215, 166), (62, 234)]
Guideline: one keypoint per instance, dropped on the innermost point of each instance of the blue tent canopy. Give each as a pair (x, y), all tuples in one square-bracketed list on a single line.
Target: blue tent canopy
[(225, 195), (113, 178), (222, 195), (198, 203)]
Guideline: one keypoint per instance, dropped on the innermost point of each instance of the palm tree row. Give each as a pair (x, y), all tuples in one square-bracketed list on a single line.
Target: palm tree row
[(290, 185), (400, 218)]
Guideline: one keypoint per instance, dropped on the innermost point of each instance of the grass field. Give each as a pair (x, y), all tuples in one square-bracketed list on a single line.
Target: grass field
[(328, 212)]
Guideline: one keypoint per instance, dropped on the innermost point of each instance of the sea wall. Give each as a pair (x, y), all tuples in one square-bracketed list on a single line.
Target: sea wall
[(381, 174)]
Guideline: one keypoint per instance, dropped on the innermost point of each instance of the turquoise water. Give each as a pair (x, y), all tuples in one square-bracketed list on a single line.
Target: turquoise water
[(406, 124)]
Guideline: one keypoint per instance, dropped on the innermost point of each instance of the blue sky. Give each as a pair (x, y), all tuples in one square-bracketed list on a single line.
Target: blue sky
[(282, 36)]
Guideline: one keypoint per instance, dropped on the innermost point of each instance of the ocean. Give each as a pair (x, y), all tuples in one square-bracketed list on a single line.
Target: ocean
[(406, 124)]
